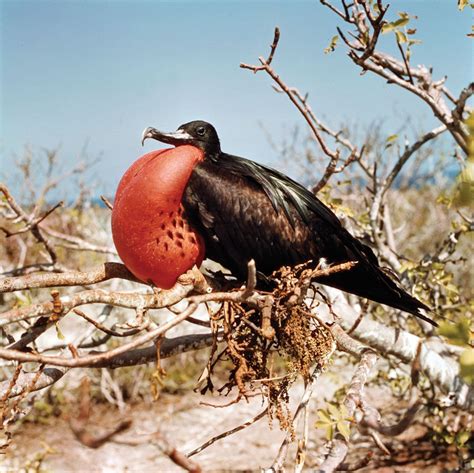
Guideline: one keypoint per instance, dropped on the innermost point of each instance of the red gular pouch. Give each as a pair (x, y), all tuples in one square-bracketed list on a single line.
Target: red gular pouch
[(149, 228)]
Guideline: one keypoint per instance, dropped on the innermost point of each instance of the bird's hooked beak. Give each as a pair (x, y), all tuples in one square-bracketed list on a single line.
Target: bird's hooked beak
[(175, 138)]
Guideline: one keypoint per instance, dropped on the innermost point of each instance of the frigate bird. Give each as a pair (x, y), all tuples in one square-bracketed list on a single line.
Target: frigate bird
[(231, 210)]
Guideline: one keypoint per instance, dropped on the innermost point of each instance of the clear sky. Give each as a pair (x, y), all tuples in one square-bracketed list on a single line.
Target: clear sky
[(101, 71)]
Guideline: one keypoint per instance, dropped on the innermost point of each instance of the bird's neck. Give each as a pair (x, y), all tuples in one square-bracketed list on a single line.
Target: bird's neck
[(213, 155)]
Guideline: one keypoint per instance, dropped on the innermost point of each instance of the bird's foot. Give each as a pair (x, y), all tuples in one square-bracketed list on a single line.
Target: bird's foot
[(196, 278)]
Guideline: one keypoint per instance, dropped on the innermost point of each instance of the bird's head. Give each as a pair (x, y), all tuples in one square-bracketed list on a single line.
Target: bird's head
[(197, 133)]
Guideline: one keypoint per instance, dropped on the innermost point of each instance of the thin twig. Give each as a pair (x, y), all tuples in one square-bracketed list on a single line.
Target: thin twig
[(279, 461), (227, 433)]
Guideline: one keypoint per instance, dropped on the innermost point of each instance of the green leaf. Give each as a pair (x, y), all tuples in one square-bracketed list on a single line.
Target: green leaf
[(59, 333), (401, 22), (458, 333), (390, 141), (344, 429), (324, 417), (462, 437), (465, 185), (320, 424), (403, 15), (448, 438), (334, 411), (387, 28), (401, 36), (407, 266), (450, 287), (466, 363), (332, 45)]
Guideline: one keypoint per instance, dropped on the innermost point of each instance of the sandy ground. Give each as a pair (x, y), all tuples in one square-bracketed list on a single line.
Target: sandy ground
[(188, 424)]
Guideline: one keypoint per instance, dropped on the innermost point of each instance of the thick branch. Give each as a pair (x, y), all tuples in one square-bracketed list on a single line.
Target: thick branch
[(442, 372), (70, 278), (168, 347), (340, 446), (120, 299)]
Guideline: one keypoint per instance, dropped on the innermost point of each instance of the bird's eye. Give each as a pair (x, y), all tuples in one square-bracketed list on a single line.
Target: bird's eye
[(201, 131)]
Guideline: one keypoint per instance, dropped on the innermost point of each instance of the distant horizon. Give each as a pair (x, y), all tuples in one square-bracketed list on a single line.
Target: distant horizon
[(100, 72)]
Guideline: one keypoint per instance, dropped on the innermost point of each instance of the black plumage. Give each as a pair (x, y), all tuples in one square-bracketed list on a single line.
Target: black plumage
[(245, 210)]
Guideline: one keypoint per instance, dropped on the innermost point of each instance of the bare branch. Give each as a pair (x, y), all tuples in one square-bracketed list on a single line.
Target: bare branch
[(346, 343), (461, 102), (161, 441), (96, 359), (377, 25), (79, 424), (106, 202), (76, 243), (168, 347), (409, 151), (34, 222), (375, 213), (175, 455), (69, 278), (34, 228), (302, 107), (363, 52), (441, 371), (48, 377), (279, 461), (273, 46), (339, 446), (344, 16), (227, 433), (405, 60), (372, 420), (122, 299), (251, 279), (108, 331)]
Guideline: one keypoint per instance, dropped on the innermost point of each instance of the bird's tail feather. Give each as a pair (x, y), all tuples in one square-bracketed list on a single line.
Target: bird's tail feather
[(373, 283)]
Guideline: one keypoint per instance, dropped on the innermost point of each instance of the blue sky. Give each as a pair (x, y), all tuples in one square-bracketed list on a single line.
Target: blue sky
[(101, 71)]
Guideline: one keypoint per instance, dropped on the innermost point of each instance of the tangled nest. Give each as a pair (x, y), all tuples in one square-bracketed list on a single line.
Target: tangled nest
[(270, 345)]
